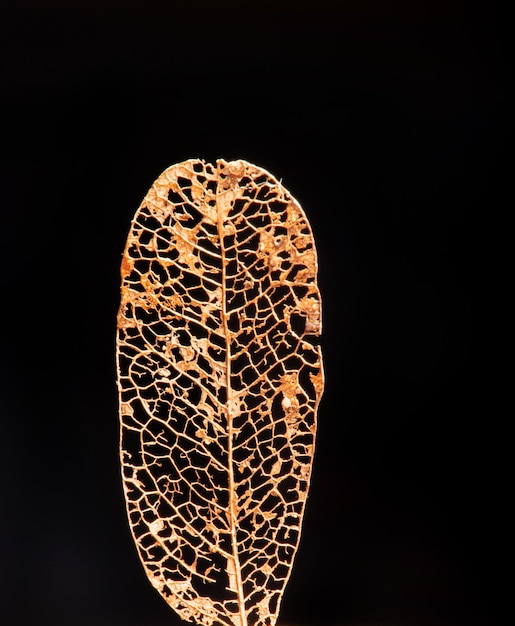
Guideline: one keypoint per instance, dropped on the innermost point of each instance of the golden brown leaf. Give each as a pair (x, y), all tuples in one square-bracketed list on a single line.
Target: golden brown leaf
[(219, 378)]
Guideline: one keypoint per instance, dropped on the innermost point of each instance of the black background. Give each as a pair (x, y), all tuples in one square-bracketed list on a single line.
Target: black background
[(387, 121)]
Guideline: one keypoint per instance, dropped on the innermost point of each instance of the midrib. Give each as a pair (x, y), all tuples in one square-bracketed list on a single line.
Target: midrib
[(228, 405)]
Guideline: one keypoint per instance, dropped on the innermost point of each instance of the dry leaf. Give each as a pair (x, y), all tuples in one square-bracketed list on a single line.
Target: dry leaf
[(219, 376)]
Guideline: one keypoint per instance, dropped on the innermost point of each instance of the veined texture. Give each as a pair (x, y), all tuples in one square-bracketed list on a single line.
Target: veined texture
[(219, 377)]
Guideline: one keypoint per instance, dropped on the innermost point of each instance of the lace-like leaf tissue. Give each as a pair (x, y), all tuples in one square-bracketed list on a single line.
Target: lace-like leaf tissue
[(219, 376)]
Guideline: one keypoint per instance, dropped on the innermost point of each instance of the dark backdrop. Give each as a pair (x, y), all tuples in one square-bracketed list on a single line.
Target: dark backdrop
[(386, 120)]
